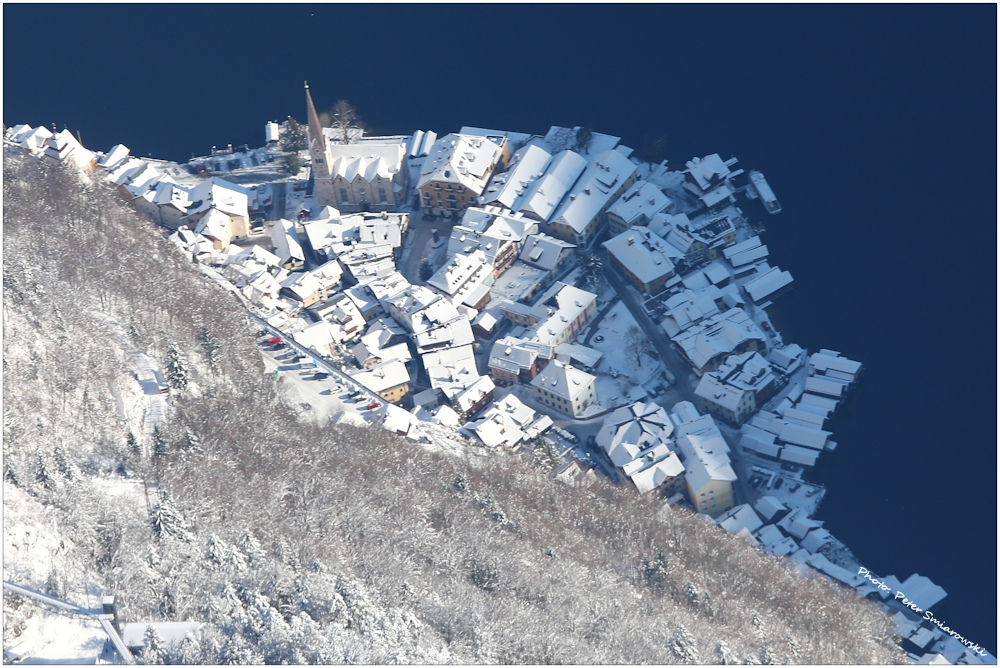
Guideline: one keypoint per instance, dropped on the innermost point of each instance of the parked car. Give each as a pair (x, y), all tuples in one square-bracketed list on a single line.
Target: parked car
[(373, 405), (274, 340), (777, 483), (321, 375)]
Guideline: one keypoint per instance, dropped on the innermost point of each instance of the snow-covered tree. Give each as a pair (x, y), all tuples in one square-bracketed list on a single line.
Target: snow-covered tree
[(159, 443), (683, 645), (168, 521), (153, 651), (177, 373), (210, 347), (43, 472), (133, 446)]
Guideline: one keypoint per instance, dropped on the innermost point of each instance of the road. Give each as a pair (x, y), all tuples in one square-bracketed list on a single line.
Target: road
[(678, 366), (664, 346)]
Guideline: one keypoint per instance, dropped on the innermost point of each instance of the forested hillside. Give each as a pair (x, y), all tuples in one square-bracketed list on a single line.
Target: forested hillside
[(302, 543)]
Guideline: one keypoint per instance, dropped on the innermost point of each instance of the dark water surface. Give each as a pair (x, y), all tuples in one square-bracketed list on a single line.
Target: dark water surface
[(875, 125)]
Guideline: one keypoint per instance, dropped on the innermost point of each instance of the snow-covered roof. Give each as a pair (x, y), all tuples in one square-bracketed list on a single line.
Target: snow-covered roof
[(776, 542), (543, 251), (922, 591), (716, 391), (706, 455), (631, 429), (383, 376), (739, 517), (763, 286), (601, 181), (557, 309), (563, 380), (717, 336), (653, 467), (575, 353), (640, 202), (367, 160), (643, 253), (816, 539), (465, 160), (768, 506), (462, 275)]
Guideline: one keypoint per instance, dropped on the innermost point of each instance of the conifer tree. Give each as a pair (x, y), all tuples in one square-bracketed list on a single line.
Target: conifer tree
[(210, 349), (153, 652), (43, 472), (177, 374), (159, 443), (168, 521), (133, 446)]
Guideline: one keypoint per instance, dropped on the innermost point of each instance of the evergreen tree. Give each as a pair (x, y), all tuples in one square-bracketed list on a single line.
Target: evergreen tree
[(133, 446), (210, 347), (43, 472), (153, 652), (191, 441), (457, 407), (426, 270), (66, 468), (293, 136), (294, 163), (189, 653), (168, 521), (177, 374), (159, 443), (683, 646), (252, 549)]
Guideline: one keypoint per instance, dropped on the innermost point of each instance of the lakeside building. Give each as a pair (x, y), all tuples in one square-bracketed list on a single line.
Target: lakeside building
[(370, 175), (457, 170), (711, 341), (536, 182), (735, 390), (709, 178), (582, 213), (218, 210)]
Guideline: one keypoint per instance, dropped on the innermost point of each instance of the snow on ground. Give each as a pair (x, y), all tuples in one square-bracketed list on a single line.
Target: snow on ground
[(299, 387), (620, 375), (33, 549)]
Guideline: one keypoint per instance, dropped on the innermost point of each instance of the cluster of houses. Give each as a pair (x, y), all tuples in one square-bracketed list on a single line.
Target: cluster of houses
[(521, 206)]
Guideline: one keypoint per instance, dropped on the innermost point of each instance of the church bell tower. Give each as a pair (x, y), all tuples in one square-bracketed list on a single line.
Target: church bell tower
[(319, 152)]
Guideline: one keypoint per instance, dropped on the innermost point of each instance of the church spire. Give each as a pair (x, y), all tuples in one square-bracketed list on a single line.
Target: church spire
[(315, 129)]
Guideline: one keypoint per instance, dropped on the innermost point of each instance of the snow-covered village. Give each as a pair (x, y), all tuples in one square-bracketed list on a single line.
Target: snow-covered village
[(493, 291)]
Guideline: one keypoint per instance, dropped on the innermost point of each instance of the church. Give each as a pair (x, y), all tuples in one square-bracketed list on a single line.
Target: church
[(369, 174)]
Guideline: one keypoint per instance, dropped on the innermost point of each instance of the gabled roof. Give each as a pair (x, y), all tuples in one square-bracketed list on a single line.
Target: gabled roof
[(600, 181), (642, 200), (543, 251), (641, 252)]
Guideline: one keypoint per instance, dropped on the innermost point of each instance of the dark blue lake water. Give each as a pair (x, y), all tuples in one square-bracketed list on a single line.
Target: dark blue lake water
[(875, 125)]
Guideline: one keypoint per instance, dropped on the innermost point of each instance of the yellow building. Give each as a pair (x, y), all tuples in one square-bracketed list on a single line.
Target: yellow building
[(457, 170)]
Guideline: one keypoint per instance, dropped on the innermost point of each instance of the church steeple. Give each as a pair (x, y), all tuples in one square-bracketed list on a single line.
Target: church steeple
[(319, 149), (315, 129)]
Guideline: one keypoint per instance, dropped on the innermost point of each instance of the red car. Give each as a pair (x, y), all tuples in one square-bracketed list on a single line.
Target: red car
[(274, 340), (373, 405), (766, 325)]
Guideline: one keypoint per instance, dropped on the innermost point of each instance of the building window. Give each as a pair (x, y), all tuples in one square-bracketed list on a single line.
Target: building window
[(343, 194), (381, 195)]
